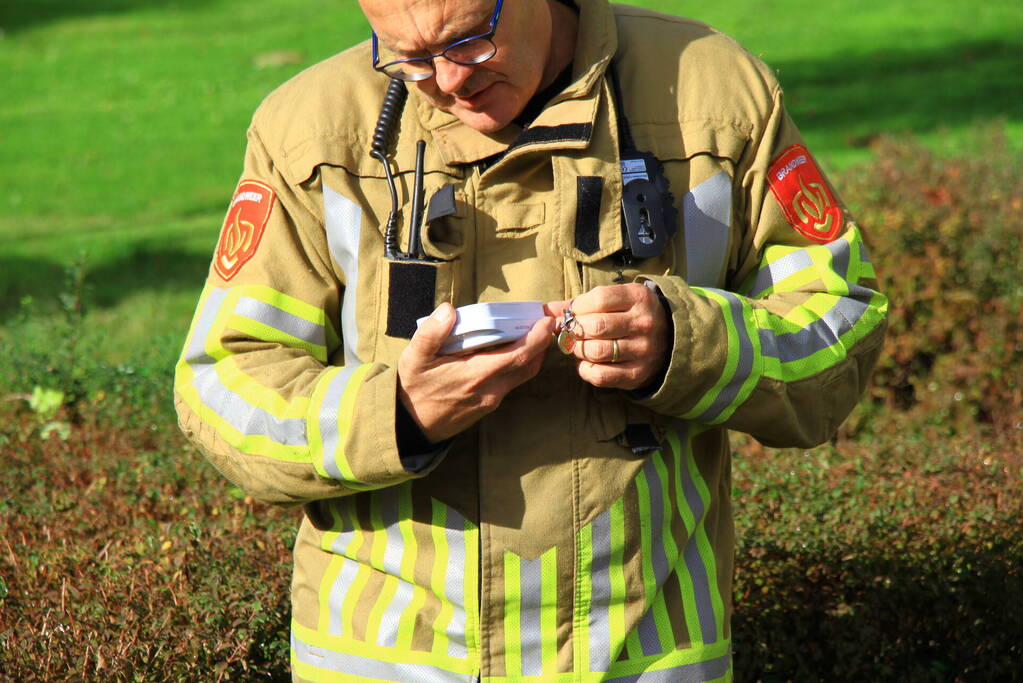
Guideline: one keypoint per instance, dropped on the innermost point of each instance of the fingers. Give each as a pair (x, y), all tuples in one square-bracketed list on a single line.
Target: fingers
[(627, 375), (524, 354), (608, 351), (608, 298)]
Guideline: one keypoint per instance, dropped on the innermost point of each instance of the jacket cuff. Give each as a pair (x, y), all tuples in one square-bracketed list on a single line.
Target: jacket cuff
[(666, 391), (366, 452), (417, 453), (657, 381)]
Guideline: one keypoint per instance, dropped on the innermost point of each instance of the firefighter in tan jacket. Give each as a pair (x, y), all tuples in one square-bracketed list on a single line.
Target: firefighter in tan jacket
[(517, 513)]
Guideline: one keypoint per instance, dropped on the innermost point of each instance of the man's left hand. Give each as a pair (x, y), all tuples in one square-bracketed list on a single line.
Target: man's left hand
[(629, 317)]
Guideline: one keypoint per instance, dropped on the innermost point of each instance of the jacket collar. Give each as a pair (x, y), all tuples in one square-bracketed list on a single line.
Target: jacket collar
[(566, 123)]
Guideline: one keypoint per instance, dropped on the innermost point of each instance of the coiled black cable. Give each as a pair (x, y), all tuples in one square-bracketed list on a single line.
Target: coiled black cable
[(390, 113)]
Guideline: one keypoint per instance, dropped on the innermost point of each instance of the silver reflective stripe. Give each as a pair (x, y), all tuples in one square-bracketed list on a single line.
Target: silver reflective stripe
[(707, 214), (349, 568), (743, 367), (233, 408), (647, 630), (454, 576), (773, 273), (790, 264), (840, 253), (600, 592), (344, 662), (281, 320), (390, 620), (698, 572), (328, 420), (820, 334), (698, 672), (343, 219), (531, 596)]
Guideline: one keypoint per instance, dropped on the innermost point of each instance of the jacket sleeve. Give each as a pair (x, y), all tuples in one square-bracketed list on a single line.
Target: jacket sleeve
[(785, 350), (255, 387)]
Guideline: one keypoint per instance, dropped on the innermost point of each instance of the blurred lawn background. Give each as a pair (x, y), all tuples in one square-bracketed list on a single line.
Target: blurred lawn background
[(893, 553)]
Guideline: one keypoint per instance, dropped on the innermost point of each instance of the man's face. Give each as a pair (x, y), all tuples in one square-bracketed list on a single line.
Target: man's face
[(487, 96)]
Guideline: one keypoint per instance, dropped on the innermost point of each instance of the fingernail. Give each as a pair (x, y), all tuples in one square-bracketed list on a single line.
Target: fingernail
[(441, 312)]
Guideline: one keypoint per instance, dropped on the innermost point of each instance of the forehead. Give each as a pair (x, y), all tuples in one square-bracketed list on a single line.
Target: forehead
[(410, 25)]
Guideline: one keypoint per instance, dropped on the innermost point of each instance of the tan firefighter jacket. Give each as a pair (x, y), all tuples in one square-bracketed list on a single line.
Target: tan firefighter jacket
[(542, 545)]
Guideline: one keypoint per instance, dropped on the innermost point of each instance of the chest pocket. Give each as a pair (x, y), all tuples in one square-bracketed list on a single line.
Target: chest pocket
[(699, 159), (382, 296)]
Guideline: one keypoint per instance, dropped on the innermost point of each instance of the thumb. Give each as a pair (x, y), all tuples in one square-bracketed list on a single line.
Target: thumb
[(434, 331), (556, 309)]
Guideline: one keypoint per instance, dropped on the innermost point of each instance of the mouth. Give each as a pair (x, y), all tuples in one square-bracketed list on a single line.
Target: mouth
[(477, 100)]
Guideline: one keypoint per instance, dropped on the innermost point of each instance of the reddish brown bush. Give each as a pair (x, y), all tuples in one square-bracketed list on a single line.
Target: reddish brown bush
[(123, 556), (946, 234)]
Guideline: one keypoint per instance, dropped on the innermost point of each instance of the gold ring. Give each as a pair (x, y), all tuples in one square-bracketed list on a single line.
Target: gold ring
[(614, 350)]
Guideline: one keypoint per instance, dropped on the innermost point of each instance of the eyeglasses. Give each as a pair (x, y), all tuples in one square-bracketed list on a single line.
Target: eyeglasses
[(467, 51)]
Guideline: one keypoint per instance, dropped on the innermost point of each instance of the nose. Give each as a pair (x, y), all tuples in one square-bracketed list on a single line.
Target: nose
[(449, 76)]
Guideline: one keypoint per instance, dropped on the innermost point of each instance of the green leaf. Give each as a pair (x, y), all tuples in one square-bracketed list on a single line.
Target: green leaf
[(61, 429), (46, 402)]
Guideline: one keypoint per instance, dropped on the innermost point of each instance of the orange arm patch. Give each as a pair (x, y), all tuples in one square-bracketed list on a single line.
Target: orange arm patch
[(804, 196), (243, 228)]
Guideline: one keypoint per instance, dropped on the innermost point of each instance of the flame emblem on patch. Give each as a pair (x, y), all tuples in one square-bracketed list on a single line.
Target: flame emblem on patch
[(803, 195), (243, 227)]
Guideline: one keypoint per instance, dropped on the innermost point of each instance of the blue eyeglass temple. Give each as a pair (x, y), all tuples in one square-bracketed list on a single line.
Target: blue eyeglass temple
[(489, 34)]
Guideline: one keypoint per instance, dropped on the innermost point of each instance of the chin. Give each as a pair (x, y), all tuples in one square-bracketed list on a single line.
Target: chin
[(498, 111), (483, 121)]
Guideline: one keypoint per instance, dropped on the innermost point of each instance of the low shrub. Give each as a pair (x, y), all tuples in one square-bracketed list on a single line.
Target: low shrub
[(947, 237), (123, 556), (898, 560)]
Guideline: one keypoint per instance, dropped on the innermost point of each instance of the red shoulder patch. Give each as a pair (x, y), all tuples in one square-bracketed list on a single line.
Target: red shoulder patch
[(243, 228), (799, 187)]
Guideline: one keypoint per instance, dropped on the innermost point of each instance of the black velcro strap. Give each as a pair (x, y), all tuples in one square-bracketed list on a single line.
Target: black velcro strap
[(587, 214), (566, 132), (410, 295), (640, 438)]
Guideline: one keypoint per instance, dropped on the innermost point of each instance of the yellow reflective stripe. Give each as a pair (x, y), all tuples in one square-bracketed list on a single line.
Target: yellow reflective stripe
[(583, 598), (671, 553), (833, 282), (330, 575), (668, 661), (265, 333), (549, 610), (407, 627), (686, 585), (470, 586), (354, 592), (806, 313), (705, 548), (732, 358), (646, 550), (616, 611), (823, 358), (438, 577)]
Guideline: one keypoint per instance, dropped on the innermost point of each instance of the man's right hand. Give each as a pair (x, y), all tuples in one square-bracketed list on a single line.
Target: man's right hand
[(447, 394)]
